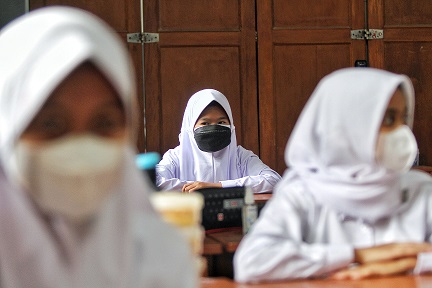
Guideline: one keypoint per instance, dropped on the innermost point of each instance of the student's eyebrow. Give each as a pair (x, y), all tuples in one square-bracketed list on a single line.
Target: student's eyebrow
[(208, 119), (203, 119), (50, 106)]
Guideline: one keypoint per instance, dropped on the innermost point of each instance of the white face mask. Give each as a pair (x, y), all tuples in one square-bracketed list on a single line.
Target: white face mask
[(397, 149), (70, 176)]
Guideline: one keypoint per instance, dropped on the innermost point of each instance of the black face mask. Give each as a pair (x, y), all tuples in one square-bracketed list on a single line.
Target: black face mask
[(212, 138)]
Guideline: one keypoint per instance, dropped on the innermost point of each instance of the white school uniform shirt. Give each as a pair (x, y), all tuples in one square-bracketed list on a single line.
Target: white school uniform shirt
[(127, 244), (335, 197), (231, 166)]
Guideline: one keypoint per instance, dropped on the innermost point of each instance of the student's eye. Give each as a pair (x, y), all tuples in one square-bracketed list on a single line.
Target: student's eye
[(108, 123), (48, 125), (223, 122), (389, 120)]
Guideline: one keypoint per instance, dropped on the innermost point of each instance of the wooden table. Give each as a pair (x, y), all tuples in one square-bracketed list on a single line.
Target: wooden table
[(262, 197), (228, 239), (212, 247), (387, 282), (219, 248)]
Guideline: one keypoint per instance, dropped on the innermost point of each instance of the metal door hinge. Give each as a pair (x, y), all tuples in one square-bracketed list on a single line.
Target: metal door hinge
[(369, 34), (142, 37)]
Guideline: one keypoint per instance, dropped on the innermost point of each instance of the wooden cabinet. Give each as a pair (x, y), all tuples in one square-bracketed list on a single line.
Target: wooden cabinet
[(266, 56)]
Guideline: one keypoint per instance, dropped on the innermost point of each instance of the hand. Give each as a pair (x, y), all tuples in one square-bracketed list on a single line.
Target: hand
[(383, 260), (187, 188), (390, 252), (375, 269)]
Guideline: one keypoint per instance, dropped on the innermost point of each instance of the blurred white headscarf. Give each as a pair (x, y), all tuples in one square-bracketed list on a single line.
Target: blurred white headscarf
[(127, 245), (332, 148), (37, 53), (206, 166)]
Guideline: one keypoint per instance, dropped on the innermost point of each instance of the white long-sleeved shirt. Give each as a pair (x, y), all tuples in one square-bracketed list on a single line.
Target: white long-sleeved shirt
[(253, 171), (296, 238)]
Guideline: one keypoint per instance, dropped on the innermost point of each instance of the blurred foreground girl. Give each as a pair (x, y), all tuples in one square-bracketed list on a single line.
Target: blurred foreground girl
[(74, 210), (348, 207)]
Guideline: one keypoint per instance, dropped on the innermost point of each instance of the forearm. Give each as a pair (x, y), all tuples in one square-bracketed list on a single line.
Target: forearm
[(276, 259), (259, 184), (170, 184)]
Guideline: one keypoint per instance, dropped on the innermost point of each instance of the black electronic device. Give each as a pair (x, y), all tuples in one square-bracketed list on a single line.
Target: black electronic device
[(222, 207)]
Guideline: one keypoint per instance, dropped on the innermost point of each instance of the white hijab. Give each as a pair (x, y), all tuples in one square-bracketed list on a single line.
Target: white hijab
[(332, 148), (37, 52), (206, 166)]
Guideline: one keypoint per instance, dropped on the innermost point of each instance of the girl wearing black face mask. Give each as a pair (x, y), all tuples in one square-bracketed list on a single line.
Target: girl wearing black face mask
[(208, 154)]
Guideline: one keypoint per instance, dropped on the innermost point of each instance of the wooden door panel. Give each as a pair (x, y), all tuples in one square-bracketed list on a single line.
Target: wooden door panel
[(308, 13), (407, 13), (293, 86), (116, 13), (299, 42), (204, 15), (407, 49), (203, 44)]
